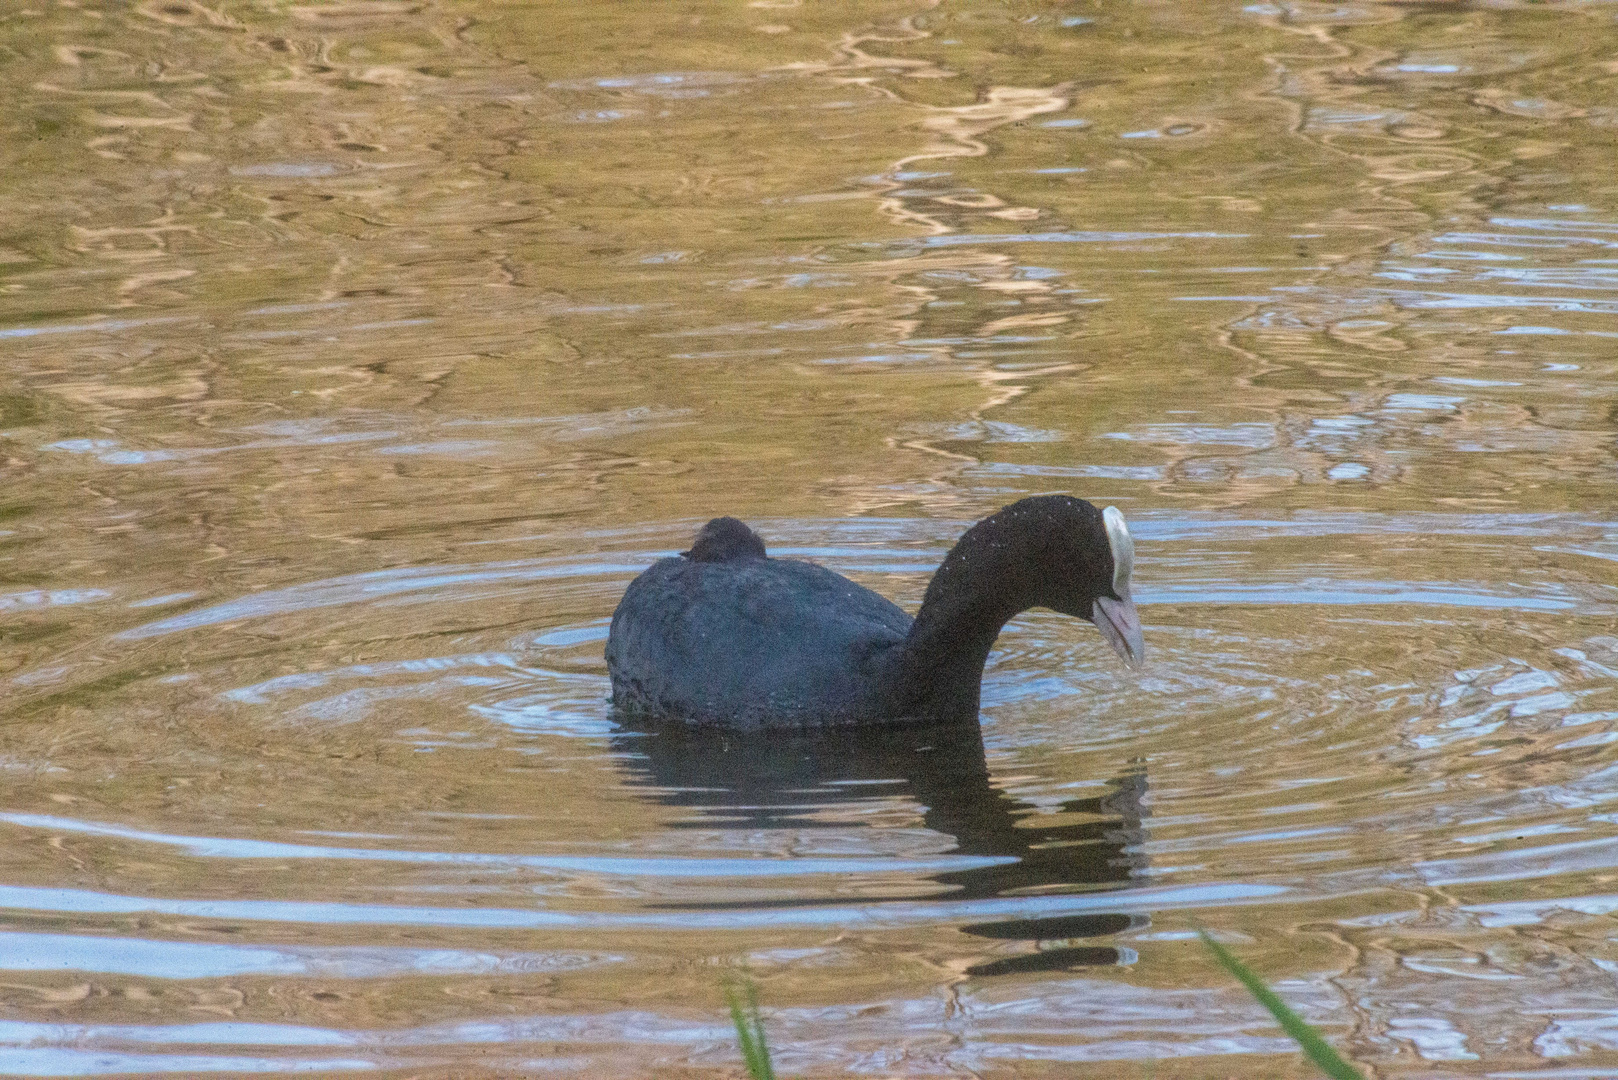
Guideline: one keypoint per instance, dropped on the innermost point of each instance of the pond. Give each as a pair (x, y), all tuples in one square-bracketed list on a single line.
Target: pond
[(357, 354)]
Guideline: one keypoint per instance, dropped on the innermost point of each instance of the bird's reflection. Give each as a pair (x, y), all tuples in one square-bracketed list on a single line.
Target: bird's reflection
[(780, 780)]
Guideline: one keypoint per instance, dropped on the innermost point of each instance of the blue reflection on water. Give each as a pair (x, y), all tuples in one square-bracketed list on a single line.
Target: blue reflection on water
[(871, 916)]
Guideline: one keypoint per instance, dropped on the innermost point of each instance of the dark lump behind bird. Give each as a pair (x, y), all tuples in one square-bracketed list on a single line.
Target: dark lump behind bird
[(725, 538), (725, 636)]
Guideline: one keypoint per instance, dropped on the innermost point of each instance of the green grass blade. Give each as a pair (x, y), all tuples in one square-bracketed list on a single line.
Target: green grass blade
[(743, 1001), (1314, 1047)]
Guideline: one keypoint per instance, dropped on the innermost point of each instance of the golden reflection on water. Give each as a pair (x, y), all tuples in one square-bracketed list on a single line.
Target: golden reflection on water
[(356, 354)]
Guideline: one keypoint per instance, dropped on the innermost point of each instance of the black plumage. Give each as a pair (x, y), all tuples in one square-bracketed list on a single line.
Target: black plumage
[(724, 635)]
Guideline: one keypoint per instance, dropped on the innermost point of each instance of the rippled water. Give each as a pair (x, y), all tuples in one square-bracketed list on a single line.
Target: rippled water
[(357, 354)]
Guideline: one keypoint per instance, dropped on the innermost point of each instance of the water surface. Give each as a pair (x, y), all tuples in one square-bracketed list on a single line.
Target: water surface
[(357, 354)]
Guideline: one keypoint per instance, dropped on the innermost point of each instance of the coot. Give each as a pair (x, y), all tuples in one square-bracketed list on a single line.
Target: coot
[(723, 635)]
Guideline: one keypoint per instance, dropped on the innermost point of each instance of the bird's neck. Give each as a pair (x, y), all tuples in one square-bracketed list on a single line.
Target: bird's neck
[(972, 595)]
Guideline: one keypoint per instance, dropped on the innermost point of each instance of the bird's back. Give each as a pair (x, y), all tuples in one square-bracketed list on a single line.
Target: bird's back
[(752, 642)]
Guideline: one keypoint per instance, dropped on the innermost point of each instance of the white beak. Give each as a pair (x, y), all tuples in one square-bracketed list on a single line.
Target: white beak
[(1119, 623)]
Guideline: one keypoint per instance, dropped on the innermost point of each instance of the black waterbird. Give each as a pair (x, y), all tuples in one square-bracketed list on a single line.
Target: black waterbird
[(725, 636)]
